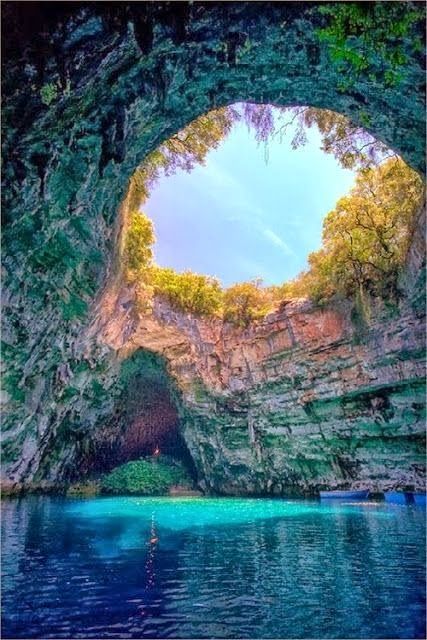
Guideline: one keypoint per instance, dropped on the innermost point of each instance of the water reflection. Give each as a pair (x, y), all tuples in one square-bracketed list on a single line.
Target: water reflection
[(211, 568)]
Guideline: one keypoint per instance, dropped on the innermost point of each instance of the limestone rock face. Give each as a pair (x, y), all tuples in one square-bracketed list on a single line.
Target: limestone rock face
[(89, 89), (304, 400)]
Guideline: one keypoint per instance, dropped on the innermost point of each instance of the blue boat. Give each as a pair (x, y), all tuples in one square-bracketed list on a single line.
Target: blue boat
[(420, 499), (347, 495), (398, 497)]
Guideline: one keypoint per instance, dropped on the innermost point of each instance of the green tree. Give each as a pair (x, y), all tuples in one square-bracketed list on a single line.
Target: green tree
[(138, 251), (245, 302), (364, 237), (367, 236)]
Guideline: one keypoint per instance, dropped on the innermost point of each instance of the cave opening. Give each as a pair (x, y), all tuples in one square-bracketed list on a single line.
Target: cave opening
[(331, 217), (144, 421), (248, 201)]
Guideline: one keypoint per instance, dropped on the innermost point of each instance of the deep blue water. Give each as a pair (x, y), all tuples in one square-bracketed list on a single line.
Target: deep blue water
[(211, 568)]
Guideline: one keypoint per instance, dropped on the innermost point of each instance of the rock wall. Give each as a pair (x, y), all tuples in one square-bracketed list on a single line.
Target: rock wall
[(307, 399), (88, 90)]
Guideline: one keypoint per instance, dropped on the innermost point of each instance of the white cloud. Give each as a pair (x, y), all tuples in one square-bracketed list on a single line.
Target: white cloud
[(226, 189), (277, 241)]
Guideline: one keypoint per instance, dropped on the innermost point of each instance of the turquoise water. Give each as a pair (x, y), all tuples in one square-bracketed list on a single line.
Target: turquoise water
[(211, 568)]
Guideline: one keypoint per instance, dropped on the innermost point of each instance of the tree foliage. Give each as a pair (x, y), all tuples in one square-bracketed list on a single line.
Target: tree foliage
[(245, 302), (138, 246), (371, 37), (365, 242), (184, 150), (146, 477), (366, 237), (350, 144), (187, 291)]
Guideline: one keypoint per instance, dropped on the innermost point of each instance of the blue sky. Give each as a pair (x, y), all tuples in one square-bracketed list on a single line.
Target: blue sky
[(239, 216)]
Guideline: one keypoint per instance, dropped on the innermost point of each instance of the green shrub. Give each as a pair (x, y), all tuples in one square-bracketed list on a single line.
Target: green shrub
[(48, 93), (139, 240), (365, 36), (145, 477), (188, 291), (245, 302)]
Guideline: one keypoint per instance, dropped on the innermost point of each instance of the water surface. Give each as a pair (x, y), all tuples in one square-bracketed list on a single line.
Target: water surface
[(211, 568)]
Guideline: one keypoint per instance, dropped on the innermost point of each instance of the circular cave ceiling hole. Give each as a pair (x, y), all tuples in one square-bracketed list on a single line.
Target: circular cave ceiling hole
[(252, 210)]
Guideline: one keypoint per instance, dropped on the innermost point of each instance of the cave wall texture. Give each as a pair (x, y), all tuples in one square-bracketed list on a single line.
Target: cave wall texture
[(119, 78)]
